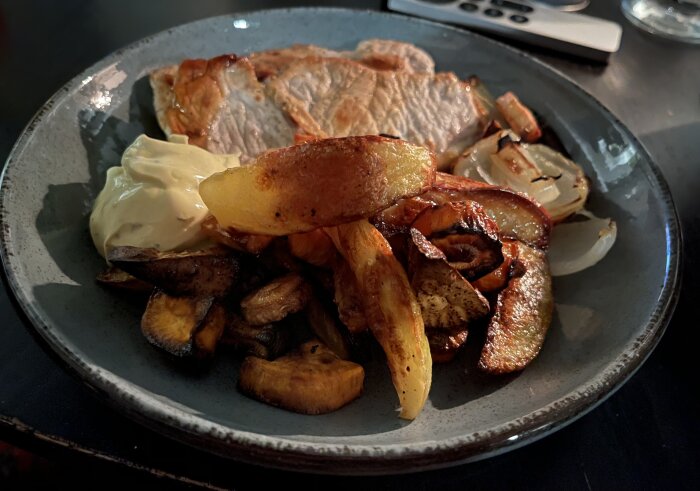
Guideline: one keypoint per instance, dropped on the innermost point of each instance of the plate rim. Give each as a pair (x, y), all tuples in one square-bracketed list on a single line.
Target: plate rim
[(285, 453)]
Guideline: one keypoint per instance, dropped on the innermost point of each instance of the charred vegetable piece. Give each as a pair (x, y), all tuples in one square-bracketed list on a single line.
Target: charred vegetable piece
[(327, 328), (314, 247), (116, 278), (444, 345), (475, 162), (348, 298), (519, 117), (316, 184), (498, 278), (210, 272), (230, 237), (522, 316), (465, 234), (274, 301), (311, 380), (517, 216), (269, 341), (447, 300), (183, 326), (392, 311)]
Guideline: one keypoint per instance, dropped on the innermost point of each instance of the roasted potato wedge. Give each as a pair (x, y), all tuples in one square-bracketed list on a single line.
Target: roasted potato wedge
[(326, 327), (316, 184), (121, 280), (183, 326), (273, 302), (522, 315), (465, 234), (268, 341), (446, 299), (211, 272), (314, 247), (311, 380), (230, 237), (392, 310)]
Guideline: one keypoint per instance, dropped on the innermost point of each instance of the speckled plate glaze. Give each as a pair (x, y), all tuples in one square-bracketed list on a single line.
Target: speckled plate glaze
[(607, 318)]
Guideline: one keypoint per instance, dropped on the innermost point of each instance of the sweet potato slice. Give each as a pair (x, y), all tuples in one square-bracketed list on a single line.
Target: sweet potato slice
[(392, 310), (210, 272), (310, 380), (316, 184), (273, 302), (522, 316), (183, 326), (314, 247)]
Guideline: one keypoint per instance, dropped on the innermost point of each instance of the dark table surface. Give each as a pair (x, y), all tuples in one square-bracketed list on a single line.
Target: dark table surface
[(645, 436)]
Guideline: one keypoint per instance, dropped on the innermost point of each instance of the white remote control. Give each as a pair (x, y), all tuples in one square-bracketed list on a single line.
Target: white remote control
[(521, 20)]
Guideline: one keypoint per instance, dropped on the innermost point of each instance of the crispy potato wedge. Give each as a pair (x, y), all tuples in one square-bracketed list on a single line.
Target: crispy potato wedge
[(273, 302), (522, 316), (210, 272), (183, 326), (121, 280), (314, 247), (268, 341), (392, 310), (316, 184), (465, 233), (310, 380), (230, 237), (326, 327), (446, 299)]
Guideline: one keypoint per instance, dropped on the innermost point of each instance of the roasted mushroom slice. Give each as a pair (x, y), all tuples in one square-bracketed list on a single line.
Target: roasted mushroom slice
[(444, 345), (121, 280), (230, 237), (465, 234), (268, 341), (273, 302), (498, 278), (210, 272), (447, 300), (310, 380), (183, 326), (522, 315)]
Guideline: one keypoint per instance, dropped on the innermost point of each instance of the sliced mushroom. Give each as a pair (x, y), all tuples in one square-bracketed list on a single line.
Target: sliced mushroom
[(274, 301)]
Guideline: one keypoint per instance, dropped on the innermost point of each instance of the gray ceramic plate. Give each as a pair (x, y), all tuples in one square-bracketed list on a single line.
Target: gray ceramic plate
[(608, 318)]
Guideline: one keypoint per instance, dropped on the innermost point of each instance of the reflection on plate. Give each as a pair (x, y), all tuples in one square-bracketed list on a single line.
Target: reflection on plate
[(602, 330)]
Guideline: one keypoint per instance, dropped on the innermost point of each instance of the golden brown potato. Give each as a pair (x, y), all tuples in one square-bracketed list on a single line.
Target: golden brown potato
[(311, 380), (211, 272), (121, 280), (230, 237), (522, 316), (314, 247), (316, 184), (392, 310), (183, 326), (273, 302), (446, 299)]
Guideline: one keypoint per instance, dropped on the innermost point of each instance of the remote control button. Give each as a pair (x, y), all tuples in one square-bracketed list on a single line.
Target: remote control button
[(493, 12), (468, 7), (520, 19), (507, 4)]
